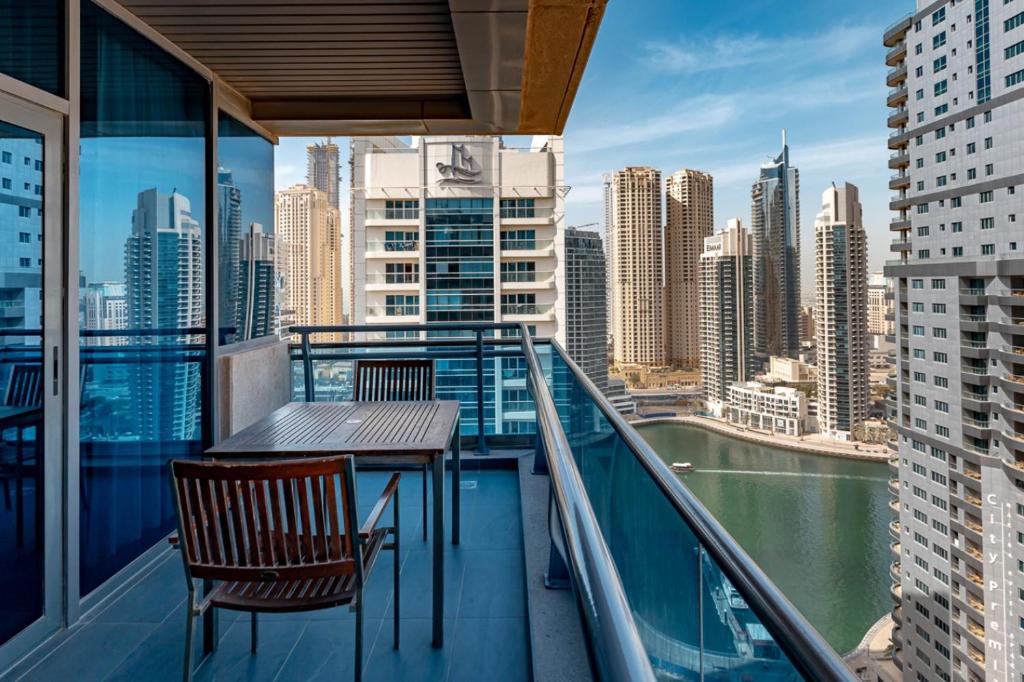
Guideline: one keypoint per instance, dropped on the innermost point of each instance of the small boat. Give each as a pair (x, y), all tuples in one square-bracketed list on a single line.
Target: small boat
[(682, 467)]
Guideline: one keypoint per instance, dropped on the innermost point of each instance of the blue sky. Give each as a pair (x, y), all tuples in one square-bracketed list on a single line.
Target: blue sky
[(710, 85)]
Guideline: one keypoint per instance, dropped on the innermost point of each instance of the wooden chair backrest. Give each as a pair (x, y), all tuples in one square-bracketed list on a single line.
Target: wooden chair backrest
[(393, 380), (267, 520), (25, 386)]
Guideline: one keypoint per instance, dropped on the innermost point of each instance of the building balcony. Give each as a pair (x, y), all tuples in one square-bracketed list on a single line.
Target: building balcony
[(380, 281), (896, 32), (898, 140), (527, 281), (896, 75), (894, 487), (900, 159), (528, 312), (899, 181), (894, 572), (527, 216), (898, 120), (501, 623), (897, 96), (900, 246), (512, 249), (382, 217), (896, 54), (392, 314), (404, 251)]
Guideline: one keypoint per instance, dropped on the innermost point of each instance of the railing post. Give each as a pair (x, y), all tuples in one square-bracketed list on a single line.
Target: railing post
[(557, 575), (307, 367), (481, 437)]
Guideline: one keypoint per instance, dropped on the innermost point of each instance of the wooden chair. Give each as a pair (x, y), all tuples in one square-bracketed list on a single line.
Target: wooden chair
[(279, 537), (396, 380), (24, 389)]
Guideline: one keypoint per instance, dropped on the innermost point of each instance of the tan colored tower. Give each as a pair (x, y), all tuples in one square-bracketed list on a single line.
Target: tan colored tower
[(637, 304), (308, 231), (689, 220)]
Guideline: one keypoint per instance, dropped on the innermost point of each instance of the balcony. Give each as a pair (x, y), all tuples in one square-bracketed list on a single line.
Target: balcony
[(403, 216), (496, 629), (527, 280), (899, 181), (896, 31), (897, 96), (527, 312), (527, 248), (403, 250), (392, 281), (900, 246), (896, 54), (899, 160)]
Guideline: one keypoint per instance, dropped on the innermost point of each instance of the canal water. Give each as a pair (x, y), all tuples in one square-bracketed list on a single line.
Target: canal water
[(818, 526)]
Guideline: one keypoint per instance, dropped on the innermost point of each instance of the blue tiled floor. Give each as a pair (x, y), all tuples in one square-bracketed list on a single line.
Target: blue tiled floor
[(141, 635)]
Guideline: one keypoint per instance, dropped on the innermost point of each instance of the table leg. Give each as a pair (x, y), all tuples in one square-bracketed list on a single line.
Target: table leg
[(456, 486), (438, 467)]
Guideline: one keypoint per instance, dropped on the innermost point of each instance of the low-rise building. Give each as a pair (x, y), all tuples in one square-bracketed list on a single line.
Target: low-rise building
[(775, 409), (789, 371)]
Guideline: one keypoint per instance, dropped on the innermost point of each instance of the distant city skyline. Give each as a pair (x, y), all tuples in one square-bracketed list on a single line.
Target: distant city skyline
[(710, 88)]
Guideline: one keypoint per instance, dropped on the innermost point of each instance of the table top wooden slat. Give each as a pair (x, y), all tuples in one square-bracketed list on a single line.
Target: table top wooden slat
[(414, 429)]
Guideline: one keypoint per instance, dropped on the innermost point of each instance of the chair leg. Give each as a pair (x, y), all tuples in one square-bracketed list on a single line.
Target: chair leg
[(359, 635), (424, 502), (189, 625), (396, 554), (253, 633)]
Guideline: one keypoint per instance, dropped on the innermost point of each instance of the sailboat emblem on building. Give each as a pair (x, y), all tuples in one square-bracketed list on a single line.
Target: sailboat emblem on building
[(463, 170)]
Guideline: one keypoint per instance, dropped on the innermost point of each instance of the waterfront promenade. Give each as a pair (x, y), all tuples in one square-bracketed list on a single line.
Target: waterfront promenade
[(812, 443)]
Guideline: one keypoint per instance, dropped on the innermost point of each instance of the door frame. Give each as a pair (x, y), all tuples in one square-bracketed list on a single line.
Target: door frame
[(50, 124)]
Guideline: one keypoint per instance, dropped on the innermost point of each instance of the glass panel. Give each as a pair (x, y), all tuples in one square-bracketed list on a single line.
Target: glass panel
[(32, 42), (245, 233), (692, 621), (143, 188), (21, 397)]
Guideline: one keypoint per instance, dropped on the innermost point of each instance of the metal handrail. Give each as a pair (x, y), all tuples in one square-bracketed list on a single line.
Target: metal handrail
[(804, 646), (609, 618)]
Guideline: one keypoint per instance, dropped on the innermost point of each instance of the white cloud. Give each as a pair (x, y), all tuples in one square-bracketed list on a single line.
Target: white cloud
[(735, 51)]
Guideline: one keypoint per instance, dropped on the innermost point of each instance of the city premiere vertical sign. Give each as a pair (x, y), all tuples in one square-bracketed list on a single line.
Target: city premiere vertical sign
[(1000, 662)]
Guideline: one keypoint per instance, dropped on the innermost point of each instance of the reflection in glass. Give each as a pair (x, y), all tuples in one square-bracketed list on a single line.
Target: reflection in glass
[(21, 461), (32, 42), (248, 288), (142, 314)]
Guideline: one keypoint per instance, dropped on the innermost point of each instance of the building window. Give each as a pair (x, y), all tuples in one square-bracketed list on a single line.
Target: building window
[(518, 208), (988, 223), (988, 249)]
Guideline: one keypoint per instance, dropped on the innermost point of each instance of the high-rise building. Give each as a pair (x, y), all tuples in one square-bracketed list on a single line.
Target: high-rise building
[(229, 228), (461, 229), (586, 308), (957, 116), (606, 195), (775, 231), (636, 246), (163, 269), (323, 170), (21, 274), (689, 220), (308, 243), (841, 272), (881, 309), (726, 296), (105, 308), (257, 285)]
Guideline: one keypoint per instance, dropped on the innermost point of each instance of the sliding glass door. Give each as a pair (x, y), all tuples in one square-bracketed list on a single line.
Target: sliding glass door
[(31, 429)]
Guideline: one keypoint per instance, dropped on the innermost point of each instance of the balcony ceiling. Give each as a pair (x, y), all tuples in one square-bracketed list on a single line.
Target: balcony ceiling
[(388, 67)]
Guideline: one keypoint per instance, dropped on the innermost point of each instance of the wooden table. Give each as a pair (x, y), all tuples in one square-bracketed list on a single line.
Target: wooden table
[(384, 433)]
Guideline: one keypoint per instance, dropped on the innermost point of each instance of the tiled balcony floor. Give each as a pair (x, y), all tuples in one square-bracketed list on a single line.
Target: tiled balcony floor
[(140, 636)]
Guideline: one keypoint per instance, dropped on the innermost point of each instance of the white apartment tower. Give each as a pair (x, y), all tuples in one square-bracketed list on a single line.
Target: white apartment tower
[(726, 341), (308, 243), (957, 141), (841, 339), (689, 220), (636, 248)]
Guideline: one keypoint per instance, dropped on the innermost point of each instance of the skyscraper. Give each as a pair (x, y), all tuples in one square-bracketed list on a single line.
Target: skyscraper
[(586, 308), (689, 220), (842, 312), (462, 229), (163, 266), (881, 310), (229, 228), (106, 307), (308, 244), (256, 285), (726, 297), (775, 229), (323, 171), (958, 121), (636, 246)]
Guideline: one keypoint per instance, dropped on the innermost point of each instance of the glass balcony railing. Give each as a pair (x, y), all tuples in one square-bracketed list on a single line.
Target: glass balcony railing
[(526, 244), (664, 591), (526, 308), (393, 213), (397, 246)]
